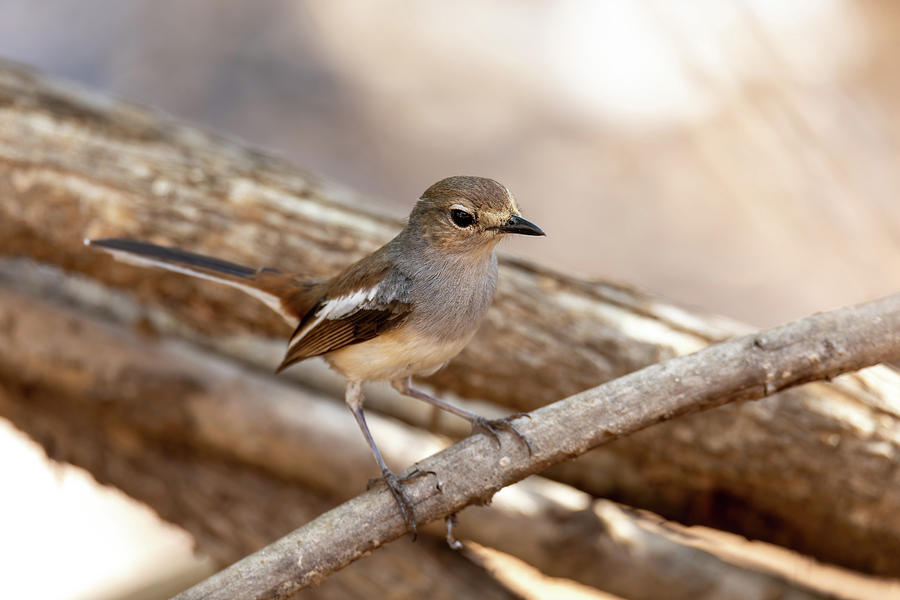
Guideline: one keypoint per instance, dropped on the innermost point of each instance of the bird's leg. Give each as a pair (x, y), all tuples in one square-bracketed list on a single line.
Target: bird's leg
[(491, 427), (354, 399)]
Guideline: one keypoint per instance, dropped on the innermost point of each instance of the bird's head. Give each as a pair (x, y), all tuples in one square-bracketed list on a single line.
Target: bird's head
[(465, 214)]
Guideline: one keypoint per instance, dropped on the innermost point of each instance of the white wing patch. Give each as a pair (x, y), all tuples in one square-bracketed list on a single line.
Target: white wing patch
[(270, 300), (345, 305), (338, 308)]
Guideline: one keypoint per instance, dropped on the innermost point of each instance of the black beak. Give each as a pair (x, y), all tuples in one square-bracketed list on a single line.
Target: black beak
[(517, 224)]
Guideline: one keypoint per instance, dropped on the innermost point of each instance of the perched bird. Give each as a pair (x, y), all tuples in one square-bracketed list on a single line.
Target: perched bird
[(404, 310)]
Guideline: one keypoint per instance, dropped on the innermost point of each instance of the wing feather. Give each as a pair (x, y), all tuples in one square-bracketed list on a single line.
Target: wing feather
[(349, 314)]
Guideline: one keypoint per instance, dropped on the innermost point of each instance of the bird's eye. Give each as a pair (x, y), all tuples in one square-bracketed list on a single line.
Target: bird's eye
[(462, 218)]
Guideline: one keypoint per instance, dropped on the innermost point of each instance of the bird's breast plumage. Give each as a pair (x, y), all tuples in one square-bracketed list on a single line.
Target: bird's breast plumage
[(448, 302), (451, 301)]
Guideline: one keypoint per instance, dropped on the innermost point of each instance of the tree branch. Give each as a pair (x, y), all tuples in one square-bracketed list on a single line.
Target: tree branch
[(471, 471), (123, 408)]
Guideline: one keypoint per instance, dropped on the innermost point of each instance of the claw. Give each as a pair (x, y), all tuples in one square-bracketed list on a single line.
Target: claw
[(493, 427), (416, 473), (393, 484), (450, 521)]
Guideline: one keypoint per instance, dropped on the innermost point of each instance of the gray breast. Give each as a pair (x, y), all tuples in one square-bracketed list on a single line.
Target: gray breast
[(451, 296)]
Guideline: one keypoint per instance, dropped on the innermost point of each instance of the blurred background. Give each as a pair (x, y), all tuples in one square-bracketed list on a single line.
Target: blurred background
[(740, 156)]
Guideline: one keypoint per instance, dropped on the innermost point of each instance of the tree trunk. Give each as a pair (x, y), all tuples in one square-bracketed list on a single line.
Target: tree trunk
[(812, 469)]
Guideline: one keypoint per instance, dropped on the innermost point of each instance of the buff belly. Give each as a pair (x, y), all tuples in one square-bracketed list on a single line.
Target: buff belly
[(394, 355)]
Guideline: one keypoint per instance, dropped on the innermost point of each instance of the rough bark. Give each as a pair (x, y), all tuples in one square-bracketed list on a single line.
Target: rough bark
[(72, 165), (244, 449)]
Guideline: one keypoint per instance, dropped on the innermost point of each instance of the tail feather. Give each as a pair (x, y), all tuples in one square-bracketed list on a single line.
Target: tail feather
[(167, 257), (281, 292)]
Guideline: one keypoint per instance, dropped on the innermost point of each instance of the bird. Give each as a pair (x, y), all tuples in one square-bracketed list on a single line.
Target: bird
[(404, 310)]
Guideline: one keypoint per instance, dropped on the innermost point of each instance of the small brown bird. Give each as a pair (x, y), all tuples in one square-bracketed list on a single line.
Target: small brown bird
[(404, 310)]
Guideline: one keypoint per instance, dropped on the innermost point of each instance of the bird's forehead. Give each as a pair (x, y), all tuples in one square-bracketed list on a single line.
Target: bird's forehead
[(479, 192)]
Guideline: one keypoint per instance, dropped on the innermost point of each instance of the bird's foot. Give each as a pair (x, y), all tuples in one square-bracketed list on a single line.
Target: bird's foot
[(493, 427), (394, 485), (416, 473)]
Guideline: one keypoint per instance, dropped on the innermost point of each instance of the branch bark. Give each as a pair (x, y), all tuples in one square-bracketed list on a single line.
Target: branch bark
[(73, 165), (215, 445), (473, 470)]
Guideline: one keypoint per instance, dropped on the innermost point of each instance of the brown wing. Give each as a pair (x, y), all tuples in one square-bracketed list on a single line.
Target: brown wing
[(335, 334), (361, 304)]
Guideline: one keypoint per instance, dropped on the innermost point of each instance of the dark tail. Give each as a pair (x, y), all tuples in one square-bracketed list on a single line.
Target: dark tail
[(169, 257), (281, 292)]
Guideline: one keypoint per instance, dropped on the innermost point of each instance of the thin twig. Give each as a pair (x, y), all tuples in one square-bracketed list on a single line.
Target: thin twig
[(471, 471)]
